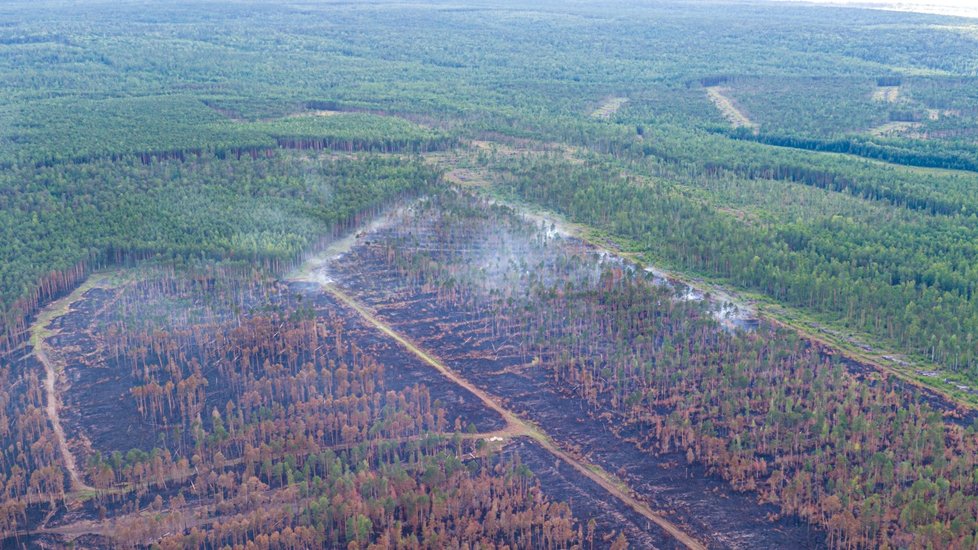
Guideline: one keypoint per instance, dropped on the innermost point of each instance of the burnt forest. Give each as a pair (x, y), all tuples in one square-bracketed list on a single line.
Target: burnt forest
[(488, 274)]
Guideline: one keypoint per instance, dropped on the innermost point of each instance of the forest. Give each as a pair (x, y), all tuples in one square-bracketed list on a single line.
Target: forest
[(487, 275), (868, 458)]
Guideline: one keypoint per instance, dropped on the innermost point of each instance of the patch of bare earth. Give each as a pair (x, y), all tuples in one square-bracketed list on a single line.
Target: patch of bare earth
[(729, 109), (608, 107), (896, 128), (886, 94), (516, 425), (54, 365), (320, 112)]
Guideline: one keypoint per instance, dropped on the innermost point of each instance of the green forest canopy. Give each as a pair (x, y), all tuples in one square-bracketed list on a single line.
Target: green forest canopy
[(134, 129)]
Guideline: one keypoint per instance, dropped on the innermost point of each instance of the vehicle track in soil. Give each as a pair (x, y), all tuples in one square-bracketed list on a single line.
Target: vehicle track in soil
[(53, 368), (51, 408), (517, 426), (729, 110)]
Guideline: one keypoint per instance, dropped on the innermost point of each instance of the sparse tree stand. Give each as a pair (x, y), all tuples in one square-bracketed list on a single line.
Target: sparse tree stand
[(822, 161), (769, 411)]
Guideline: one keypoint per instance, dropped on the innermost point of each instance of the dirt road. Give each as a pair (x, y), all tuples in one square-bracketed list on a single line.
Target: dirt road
[(518, 426), (52, 370)]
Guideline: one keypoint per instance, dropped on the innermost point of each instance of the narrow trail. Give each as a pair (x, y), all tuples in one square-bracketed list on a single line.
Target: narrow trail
[(517, 426), (52, 369), (53, 404)]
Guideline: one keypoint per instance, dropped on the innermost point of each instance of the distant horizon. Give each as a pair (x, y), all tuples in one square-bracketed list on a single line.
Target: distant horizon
[(960, 8)]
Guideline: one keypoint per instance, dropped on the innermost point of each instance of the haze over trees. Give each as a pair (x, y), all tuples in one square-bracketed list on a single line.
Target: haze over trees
[(427, 275)]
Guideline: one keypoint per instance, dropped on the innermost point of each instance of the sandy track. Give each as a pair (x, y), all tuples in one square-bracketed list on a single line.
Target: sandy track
[(52, 409), (608, 107), (517, 426), (886, 94), (53, 369), (729, 111)]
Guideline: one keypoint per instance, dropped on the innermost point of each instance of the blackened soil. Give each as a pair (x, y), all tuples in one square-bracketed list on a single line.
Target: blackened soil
[(97, 403), (401, 368), (587, 500), (703, 504), (57, 542)]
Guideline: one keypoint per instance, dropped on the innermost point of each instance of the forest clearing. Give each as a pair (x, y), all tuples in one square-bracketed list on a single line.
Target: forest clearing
[(727, 108), (608, 107), (887, 94)]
